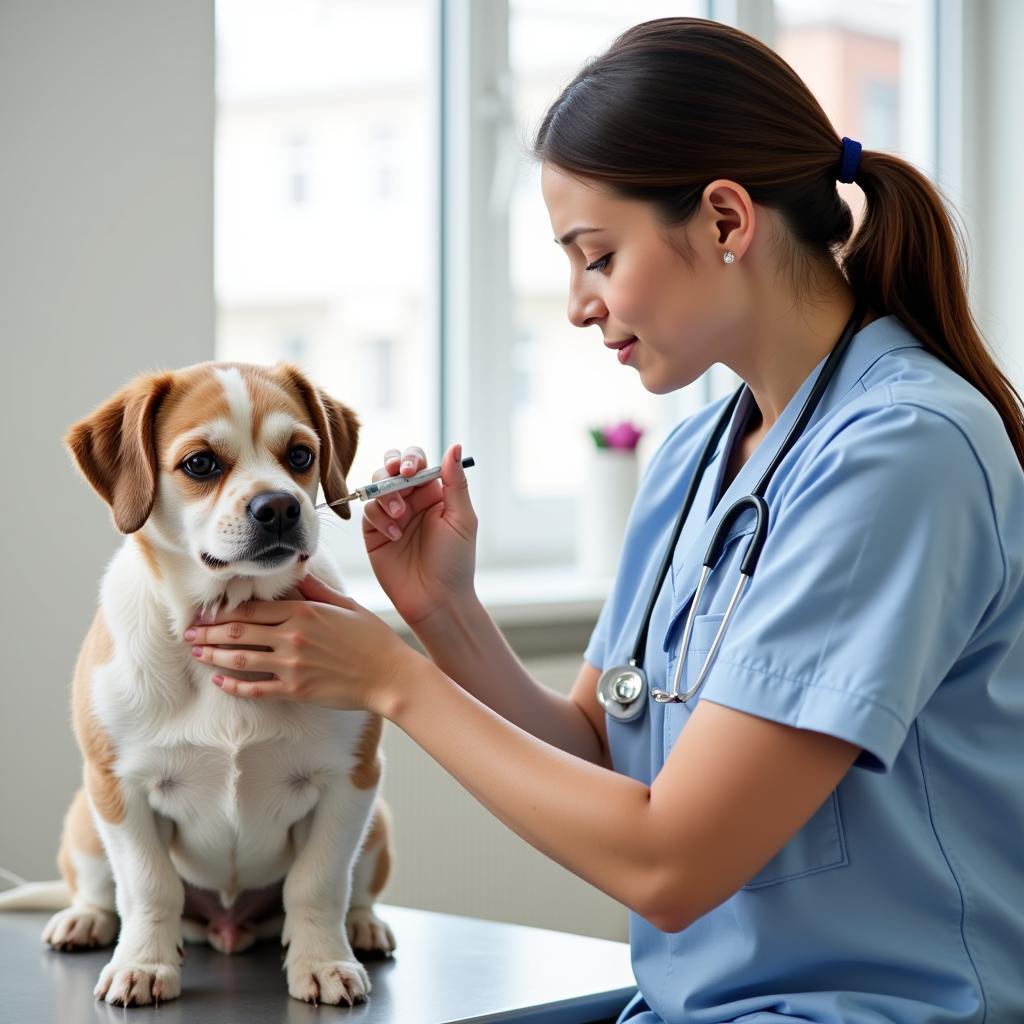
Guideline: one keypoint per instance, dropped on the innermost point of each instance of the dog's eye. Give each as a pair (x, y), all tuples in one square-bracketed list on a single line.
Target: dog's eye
[(300, 457), (201, 466)]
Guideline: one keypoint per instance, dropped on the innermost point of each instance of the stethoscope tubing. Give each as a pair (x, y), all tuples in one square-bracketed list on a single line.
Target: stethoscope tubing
[(755, 500), (639, 646), (753, 553)]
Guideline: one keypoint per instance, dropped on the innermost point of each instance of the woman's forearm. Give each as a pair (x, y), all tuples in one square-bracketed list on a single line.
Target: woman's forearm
[(466, 644), (590, 819)]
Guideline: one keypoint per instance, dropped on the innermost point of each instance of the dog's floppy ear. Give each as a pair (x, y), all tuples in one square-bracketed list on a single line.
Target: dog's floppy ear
[(338, 429), (115, 449)]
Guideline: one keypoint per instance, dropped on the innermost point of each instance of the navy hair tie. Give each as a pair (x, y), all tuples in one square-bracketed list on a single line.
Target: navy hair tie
[(851, 160)]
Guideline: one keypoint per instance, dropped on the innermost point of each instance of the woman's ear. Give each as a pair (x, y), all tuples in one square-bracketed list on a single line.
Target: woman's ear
[(338, 429), (729, 211), (115, 450)]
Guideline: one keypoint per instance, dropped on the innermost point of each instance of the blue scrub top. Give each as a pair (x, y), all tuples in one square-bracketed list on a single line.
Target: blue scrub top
[(887, 609)]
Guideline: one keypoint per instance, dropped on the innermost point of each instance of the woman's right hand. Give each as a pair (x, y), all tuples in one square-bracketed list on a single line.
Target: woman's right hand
[(422, 542)]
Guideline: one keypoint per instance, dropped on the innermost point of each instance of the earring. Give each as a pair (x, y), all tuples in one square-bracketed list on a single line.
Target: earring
[(728, 256)]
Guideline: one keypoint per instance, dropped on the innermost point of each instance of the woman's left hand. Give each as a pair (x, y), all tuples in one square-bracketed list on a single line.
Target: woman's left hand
[(324, 650)]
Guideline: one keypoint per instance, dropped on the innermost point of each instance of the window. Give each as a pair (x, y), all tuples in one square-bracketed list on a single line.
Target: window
[(871, 66), (297, 169), (294, 348), (879, 102), (384, 157), (567, 381), (335, 269), (407, 261), (379, 371), (545, 383)]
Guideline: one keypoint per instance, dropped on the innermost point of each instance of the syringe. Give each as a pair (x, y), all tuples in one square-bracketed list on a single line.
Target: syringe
[(391, 484)]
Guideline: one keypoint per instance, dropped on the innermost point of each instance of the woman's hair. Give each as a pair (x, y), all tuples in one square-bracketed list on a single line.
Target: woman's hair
[(678, 102)]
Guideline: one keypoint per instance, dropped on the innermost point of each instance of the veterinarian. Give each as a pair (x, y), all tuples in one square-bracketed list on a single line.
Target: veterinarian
[(823, 823)]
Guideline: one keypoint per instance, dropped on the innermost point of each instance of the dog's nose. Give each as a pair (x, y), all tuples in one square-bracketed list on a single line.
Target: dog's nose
[(276, 511)]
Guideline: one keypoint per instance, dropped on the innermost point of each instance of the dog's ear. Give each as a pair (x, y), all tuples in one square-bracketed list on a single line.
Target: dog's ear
[(338, 429), (114, 448)]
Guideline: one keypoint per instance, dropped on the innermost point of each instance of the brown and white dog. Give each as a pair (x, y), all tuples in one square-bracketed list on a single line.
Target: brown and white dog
[(204, 817)]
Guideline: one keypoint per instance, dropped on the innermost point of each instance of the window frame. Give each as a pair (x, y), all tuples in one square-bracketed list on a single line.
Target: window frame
[(476, 142), (475, 325), (477, 168)]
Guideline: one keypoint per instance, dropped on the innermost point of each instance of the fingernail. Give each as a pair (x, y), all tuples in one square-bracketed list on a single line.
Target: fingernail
[(197, 652), (394, 533), (219, 680), (394, 507), (458, 452), (190, 633)]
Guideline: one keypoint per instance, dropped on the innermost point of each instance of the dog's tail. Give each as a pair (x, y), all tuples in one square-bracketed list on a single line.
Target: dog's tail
[(36, 896)]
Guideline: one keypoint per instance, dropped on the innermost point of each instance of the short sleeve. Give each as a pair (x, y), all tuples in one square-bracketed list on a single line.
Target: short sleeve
[(880, 563)]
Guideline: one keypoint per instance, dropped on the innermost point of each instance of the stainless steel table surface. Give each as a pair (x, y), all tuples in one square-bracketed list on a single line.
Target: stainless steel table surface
[(446, 969)]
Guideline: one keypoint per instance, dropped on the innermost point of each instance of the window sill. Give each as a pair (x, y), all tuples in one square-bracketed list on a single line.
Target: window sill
[(541, 611)]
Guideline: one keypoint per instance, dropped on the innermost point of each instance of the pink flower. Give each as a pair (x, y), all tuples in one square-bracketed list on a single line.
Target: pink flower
[(623, 436)]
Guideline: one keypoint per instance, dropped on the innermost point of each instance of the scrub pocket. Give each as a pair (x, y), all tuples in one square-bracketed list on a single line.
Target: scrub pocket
[(820, 845)]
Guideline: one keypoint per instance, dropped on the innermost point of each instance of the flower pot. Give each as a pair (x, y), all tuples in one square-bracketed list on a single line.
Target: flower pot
[(604, 504)]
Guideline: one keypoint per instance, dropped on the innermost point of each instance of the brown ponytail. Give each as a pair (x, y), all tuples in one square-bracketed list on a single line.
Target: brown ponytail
[(677, 102), (908, 259)]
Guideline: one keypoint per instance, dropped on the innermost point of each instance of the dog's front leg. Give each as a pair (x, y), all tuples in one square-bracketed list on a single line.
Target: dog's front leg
[(320, 964), (146, 964)]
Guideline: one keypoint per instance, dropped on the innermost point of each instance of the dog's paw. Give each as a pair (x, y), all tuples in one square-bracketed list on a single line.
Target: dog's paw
[(138, 984), (328, 981), (80, 928), (368, 933)]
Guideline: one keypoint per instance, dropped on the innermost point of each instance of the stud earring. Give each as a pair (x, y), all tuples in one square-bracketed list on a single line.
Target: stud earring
[(728, 256)]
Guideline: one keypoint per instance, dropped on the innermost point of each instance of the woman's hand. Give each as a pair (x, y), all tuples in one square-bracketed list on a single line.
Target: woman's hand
[(422, 542), (322, 649)]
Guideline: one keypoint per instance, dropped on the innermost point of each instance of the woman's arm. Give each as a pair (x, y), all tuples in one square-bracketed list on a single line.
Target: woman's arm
[(734, 790), (466, 645), (422, 546)]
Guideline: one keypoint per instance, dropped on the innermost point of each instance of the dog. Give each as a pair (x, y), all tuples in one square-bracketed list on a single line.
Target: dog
[(204, 817)]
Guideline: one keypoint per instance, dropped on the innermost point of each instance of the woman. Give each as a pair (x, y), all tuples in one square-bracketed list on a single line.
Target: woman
[(828, 829)]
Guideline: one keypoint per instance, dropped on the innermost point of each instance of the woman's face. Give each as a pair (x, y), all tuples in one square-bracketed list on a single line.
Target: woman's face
[(628, 278)]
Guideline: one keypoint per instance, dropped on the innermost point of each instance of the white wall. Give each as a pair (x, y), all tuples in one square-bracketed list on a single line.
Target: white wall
[(106, 269)]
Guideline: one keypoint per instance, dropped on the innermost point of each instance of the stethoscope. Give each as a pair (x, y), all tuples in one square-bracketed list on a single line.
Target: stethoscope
[(621, 688)]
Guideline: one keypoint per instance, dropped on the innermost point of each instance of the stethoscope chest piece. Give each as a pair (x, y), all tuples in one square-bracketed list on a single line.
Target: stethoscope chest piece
[(622, 692)]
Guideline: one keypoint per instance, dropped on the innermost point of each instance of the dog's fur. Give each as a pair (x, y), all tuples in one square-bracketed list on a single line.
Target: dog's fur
[(203, 816)]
